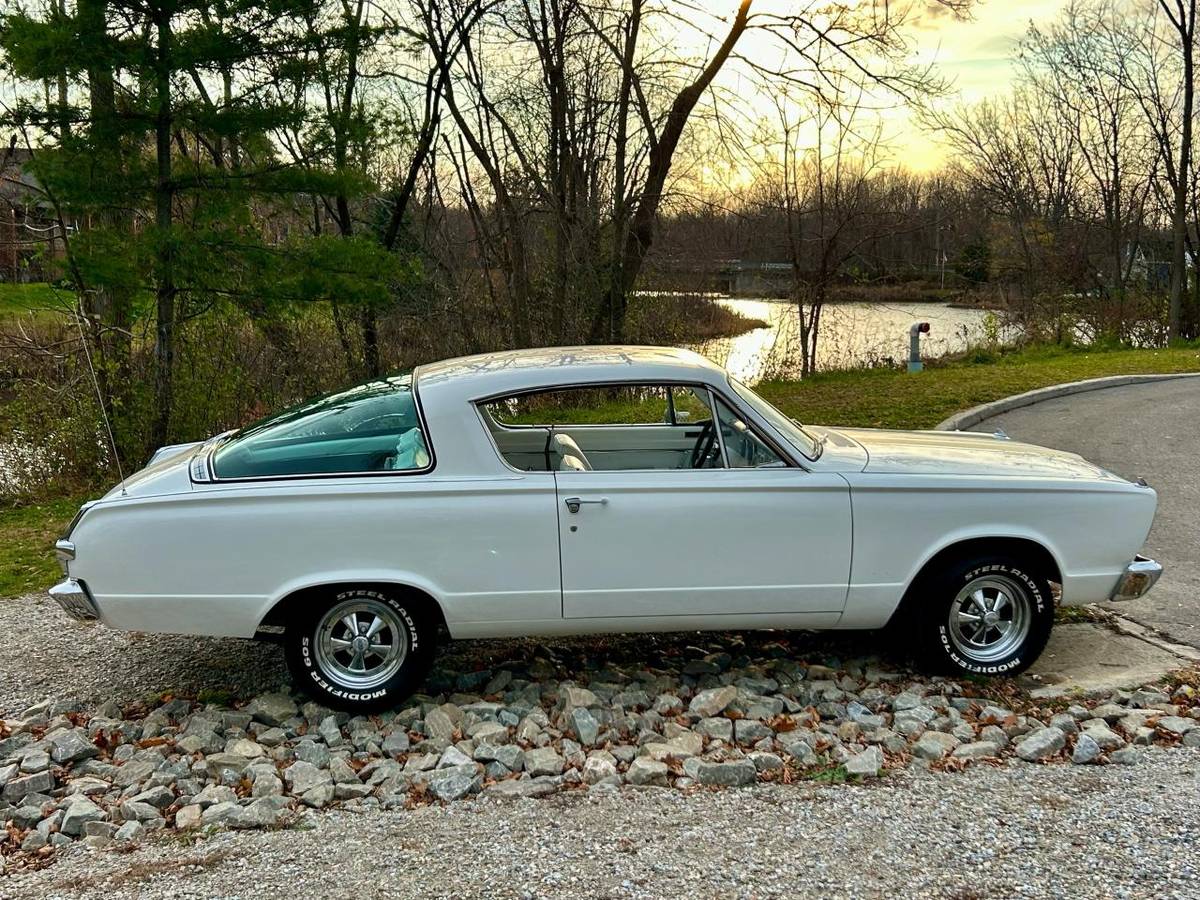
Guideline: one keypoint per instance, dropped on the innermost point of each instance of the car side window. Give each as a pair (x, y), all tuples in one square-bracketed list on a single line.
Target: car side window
[(612, 427), (373, 427), (743, 448)]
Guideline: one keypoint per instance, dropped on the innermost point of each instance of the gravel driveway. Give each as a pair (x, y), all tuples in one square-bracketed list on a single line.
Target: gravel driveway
[(1046, 831), (999, 828)]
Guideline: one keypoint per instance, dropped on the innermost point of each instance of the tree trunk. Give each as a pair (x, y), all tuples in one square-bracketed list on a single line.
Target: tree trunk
[(165, 290), (612, 310), (1179, 325)]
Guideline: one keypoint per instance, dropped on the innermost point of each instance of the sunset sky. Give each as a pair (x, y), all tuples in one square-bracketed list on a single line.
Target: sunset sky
[(975, 54)]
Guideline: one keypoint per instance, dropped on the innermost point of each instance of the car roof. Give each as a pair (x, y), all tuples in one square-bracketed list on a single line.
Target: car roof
[(516, 371)]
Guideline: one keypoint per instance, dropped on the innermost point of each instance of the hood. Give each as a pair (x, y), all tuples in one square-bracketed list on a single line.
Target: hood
[(968, 453), (167, 473)]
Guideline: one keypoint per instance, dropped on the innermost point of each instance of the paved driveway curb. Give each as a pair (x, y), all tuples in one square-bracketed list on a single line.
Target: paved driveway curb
[(968, 418)]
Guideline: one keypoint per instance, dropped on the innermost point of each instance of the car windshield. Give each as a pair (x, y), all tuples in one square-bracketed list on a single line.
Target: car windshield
[(372, 427), (789, 428)]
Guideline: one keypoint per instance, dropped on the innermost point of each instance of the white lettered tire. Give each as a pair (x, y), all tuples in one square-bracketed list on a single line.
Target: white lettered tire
[(361, 649), (982, 616)]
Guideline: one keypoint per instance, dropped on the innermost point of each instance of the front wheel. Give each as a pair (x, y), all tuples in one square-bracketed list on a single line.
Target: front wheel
[(983, 616), (362, 650)]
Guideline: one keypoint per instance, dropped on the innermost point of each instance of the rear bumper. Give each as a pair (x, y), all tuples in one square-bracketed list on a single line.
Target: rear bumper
[(1139, 576), (73, 596)]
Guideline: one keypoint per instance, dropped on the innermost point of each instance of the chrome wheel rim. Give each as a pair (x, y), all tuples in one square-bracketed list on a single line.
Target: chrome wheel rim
[(990, 618), (361, 643)]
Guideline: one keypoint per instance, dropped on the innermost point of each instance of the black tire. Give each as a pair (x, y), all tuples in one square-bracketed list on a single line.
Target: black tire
[(949, 616), (394, 659)]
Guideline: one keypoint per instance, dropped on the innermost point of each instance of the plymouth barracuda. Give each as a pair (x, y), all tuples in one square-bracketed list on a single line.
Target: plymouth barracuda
[(594, 489)]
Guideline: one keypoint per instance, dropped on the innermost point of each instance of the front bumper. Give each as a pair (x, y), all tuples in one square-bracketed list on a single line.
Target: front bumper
[(1139, 576), (73, 596)]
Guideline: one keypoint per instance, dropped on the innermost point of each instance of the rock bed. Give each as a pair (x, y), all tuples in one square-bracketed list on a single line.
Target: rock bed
[(596, 715)]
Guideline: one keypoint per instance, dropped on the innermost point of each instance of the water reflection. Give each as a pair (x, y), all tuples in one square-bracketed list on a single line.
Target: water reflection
[(852, 335)]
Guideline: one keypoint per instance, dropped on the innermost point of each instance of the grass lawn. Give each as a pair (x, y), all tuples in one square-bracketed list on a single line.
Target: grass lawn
[(16, 299), (882, 398), (889, 398), (27, 536)]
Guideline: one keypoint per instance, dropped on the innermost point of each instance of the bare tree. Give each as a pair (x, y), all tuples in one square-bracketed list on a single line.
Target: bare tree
[(1079, 63), (1163, 77)]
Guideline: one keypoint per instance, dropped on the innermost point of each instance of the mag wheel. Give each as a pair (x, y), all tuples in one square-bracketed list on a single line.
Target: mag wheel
[(363, 650), (984, 617)]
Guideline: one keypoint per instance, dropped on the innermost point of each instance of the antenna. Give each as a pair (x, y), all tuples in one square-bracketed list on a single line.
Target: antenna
[(87, 353)]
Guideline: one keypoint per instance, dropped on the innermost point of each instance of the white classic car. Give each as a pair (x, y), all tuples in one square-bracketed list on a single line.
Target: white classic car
[(594, 489)]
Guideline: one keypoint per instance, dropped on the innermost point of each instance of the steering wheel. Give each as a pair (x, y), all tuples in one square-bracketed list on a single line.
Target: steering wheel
[(704, 445)]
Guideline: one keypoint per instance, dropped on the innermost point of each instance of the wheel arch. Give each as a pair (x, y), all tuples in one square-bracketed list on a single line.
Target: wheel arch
[(275, 619), (1033, 552)]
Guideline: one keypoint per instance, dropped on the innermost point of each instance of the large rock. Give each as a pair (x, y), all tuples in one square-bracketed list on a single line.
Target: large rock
[(396, 742), (934, 745), (272, 709), (597, 769), (311, 752), (714, 701), (80, 811), (574, 697), (519, 788), (729, 774), (220, 814), (439, 724), (585, 725), (138, 768), (1177, 726), (41, 783), (868, 763), (303, 776), (189, 816), (262, 813), (1106, 739), (159, 796), (1086, 749), (1041, 744), (976, 750), (71, 747), (543, 761), (454, 784), (247, 748), (225, 762), (508, 755)]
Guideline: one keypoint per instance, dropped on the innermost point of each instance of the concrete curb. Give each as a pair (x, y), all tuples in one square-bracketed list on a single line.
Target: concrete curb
[(968, 418)]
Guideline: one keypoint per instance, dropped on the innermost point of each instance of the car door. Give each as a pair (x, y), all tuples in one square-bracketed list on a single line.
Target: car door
[(771, 539)]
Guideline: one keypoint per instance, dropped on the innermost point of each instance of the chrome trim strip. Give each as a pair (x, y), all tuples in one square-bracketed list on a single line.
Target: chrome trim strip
[(1139, 576), (75, 599)]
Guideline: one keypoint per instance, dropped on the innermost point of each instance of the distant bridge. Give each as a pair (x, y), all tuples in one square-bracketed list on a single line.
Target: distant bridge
[(736, 277)]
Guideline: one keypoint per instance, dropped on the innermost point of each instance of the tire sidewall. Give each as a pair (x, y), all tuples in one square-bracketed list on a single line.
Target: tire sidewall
[(937, 624), (312, 679)]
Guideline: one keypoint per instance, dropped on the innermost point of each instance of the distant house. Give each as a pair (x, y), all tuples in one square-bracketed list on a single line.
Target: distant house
[(1151, 263), (30, 233)]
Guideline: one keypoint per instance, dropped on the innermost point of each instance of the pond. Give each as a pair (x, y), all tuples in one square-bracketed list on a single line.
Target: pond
[(852, 334)]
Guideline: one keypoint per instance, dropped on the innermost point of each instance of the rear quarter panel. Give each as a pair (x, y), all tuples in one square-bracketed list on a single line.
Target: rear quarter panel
[(215, 560)]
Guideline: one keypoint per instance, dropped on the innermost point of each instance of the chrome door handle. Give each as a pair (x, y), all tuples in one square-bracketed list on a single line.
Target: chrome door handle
[(573, 503)]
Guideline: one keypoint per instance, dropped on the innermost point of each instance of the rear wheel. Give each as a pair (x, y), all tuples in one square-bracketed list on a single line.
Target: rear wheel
[(982, 616), (362, 650)]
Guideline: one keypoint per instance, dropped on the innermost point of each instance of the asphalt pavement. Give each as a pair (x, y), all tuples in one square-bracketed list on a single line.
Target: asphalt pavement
[(1147, 430)]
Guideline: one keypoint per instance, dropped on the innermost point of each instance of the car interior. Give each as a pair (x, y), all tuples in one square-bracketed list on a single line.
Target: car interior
[(627, 427)]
